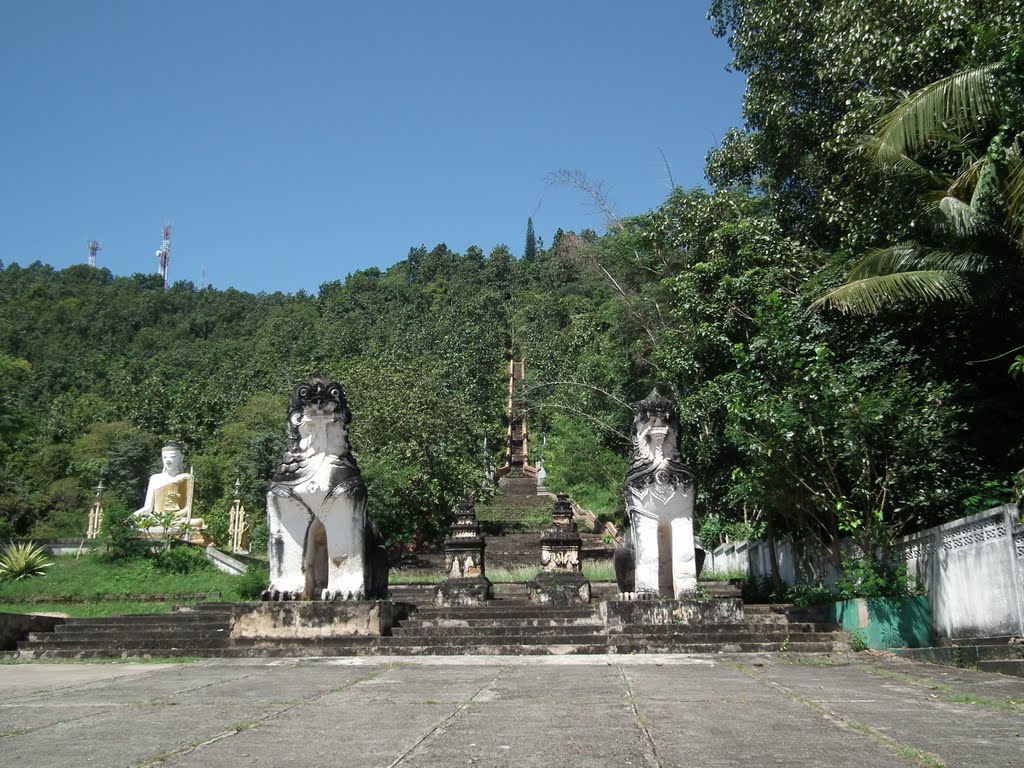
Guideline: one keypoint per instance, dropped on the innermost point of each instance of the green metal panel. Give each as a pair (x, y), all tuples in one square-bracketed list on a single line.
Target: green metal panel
[(885, 622)]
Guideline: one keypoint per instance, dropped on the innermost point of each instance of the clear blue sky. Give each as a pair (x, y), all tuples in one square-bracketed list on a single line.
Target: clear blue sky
[(290, 144)]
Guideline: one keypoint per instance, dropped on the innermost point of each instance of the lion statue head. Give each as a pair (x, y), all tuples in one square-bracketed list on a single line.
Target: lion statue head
[(318, 420), (655, 441)]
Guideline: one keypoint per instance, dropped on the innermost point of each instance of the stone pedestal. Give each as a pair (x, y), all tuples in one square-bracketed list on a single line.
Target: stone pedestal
[(560, 589), (561, 580), (652, 611), (466, 582), (452, 593), (312, 620)]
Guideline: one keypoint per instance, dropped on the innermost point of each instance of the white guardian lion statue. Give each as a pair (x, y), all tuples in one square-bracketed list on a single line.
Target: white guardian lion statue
[(658, 556), (322, 545)]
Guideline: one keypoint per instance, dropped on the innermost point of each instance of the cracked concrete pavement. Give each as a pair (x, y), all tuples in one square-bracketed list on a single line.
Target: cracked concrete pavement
[(869, 710)]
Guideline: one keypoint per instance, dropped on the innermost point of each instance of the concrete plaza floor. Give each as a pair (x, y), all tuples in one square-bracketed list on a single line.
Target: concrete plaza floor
[(861, 711)]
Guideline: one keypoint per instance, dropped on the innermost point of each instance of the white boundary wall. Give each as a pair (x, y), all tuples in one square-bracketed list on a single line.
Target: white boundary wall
[(972, 570)]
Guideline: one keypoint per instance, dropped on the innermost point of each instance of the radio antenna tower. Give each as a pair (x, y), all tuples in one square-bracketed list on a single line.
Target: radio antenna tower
[(94, 248), (164, 254)]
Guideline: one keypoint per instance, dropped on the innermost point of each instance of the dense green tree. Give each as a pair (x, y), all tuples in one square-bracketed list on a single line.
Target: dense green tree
[(12, 422), (819, 75), (530, 251)]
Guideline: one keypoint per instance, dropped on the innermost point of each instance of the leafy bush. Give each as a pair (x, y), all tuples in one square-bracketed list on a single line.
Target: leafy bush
[(805, 595), (579, 463), (21, 561), (253, 582), (714, 529), (866, 577), (182, 560), (259, 536), (986, 495), (858, 642), (121, 534), (761, 591)]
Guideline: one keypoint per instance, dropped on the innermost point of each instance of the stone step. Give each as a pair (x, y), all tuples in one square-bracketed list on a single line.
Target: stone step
[(55, 654), (793, 646), (1014, 667), (1003, 640), (723, 638), (117, 631), (126, 643), (386, 646), (176, 619), (509, 625), (794, 630), (518, 612), (540, 649), (961, 655), (774, 613), (512, 487), (449, 625), (501, 630), (479, 640), (167, 626)]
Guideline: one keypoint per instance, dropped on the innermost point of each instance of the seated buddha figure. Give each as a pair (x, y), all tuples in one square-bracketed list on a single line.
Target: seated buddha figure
[(168, 504)]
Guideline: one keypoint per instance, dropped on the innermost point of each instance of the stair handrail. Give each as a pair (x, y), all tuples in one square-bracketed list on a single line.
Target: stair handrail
[(588, 518)]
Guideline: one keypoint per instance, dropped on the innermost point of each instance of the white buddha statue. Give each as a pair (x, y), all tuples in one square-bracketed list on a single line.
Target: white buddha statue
[(168, 502)]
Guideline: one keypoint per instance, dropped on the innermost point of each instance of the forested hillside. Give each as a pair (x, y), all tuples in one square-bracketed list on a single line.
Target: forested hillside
[(110, 367), (839, 318)]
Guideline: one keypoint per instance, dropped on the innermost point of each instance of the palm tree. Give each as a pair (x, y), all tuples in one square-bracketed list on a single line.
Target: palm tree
[(974, 114)]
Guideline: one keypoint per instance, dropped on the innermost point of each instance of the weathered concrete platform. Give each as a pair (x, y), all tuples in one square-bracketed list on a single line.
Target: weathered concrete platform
[(653, 710)]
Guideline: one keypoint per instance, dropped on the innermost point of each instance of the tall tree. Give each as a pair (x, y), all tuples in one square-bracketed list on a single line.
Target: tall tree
[(818, 77), (530, 252)]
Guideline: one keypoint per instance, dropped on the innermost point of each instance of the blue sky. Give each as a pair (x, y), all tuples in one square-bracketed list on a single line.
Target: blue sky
[(289, 144)]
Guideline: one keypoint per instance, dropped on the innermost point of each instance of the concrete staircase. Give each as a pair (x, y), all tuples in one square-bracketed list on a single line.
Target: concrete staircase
[(510, 514), (508, 625)]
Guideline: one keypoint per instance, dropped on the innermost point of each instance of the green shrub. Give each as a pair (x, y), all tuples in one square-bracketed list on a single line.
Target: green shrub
[(259, 535), (858, 642), (867, 577), (121, 534), (182, 560), (21, 561), (805, 595), (985, 495), (761, 591), (253, 582), (714, 530)]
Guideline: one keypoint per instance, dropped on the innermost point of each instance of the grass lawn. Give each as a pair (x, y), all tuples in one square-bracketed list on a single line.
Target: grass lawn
[(89, 578)]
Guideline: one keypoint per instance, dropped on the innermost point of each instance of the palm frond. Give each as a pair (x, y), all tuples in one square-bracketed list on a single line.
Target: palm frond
[(962, 262), (885, 261), (886, 156), (965, 182), (968, 101), (872, 295), (904, 273), (909, 257)]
